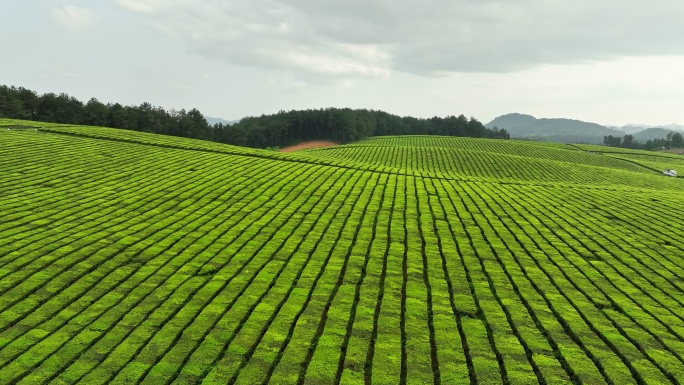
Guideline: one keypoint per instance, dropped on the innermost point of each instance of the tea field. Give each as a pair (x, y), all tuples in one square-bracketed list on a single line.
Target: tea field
[(128, 258)]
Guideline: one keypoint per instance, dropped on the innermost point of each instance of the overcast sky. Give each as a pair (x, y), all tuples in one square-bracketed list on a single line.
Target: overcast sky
[(608, 61)]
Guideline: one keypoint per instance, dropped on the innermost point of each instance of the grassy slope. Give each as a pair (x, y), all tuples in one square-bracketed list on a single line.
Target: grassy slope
[(656, 161), (129, 257)]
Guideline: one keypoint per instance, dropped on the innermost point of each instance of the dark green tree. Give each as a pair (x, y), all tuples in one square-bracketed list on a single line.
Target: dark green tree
[(612, 141), (676, 140), (95, 113)]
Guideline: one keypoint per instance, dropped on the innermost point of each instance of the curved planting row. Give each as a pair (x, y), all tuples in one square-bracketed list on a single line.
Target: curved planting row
[(172, 142), (460, 158), (482, 160), (535, 150), (137, 261)]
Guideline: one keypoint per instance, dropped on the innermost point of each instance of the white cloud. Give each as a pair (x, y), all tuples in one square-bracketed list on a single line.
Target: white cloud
[(151, 6), (73, 17), (614, 92), (361, 38)]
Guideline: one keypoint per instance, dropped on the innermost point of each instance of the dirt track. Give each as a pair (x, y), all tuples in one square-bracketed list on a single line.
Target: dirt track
[(311, 144)]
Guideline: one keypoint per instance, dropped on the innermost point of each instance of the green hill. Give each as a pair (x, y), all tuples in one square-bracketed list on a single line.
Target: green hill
[(652, 133), (128, 257)]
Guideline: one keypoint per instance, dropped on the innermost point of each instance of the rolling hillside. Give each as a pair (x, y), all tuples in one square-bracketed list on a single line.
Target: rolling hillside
[(128, 257)]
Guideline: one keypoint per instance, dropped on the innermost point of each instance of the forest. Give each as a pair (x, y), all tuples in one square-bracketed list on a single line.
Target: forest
[(673, 140), (342, 125)]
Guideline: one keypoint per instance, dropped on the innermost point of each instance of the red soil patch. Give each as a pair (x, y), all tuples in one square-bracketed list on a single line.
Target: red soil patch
[(311, 144)]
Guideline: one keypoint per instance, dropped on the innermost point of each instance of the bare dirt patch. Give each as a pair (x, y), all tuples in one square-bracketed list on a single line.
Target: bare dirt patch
[(311, 144)]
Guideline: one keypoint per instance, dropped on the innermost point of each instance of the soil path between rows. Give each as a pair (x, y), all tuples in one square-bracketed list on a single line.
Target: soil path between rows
[(311, 144)]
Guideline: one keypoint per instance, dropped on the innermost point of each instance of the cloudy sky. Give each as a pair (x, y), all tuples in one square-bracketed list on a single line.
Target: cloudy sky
[(607, 61)]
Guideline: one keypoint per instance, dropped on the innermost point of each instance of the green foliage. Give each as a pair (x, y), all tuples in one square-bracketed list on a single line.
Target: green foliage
[(672, 140), (20, 103), (346, 125), (274, 131), (129, 257)]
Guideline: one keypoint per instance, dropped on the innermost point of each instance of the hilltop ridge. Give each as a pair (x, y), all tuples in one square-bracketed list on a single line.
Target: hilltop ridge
[(556, 129), (523, 126)]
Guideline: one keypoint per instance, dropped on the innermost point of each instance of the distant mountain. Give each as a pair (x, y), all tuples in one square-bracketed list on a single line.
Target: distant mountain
[(676, 127), (560, 130), (631, 128), (651, 133), (213, 121), (635, 128), (516, 124)]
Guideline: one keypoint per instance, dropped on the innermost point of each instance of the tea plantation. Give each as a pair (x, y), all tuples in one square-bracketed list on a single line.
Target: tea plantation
[(130, 258)]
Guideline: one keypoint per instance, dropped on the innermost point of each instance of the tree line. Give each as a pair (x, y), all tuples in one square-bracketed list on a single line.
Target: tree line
[(673, 140), (344, 125), (22, 103), (341, 125)]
